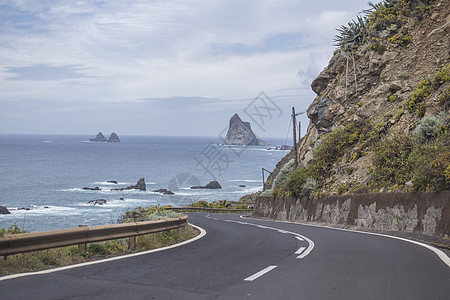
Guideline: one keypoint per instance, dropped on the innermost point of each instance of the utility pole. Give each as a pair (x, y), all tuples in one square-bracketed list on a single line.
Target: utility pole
[(294, 125), (299, 131)]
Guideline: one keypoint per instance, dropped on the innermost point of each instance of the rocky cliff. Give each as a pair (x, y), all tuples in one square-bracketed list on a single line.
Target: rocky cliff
[(240, 133), (380, 121)]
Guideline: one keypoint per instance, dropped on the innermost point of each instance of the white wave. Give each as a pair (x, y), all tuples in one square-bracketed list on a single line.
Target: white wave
[(45, 210), (245, 180), (247, 191), (110, 183)]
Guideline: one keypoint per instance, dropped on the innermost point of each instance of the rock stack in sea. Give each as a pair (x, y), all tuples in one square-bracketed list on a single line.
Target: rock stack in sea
[(240, 133), (140, 185), (212, 185), (99, 138), (114, 138)]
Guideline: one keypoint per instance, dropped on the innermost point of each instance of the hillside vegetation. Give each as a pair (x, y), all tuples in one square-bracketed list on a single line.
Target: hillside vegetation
[(380, 121)]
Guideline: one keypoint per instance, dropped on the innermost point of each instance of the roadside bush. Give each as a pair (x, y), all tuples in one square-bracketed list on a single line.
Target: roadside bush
[(330, 150), (151, 213), (283, 174), (427, 129), (430, 164), (201, 203), (296, 181), (13, 229), (390, 162)]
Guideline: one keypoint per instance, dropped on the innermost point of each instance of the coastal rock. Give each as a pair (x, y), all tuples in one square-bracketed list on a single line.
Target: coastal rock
[(164, 191), (285, 147), (92, 189), (114, 138), (212, 185), (98, 202), (140, 185), (4, 210), (240, 133), (112, 181), (99, 138)]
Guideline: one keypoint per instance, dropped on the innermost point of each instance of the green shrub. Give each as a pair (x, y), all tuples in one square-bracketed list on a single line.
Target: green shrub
[(424, 90), (201, 203), (296, 181), (13, 229), (151, 213), (97, 249), (282, 176), (390, 162), (331, 148), (427, 129), (430, 163)]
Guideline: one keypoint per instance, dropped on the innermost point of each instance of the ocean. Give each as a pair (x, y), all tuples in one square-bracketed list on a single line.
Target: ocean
[(42, 176)]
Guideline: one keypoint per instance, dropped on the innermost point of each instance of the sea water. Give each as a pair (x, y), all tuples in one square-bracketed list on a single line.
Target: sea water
[(42, 176)]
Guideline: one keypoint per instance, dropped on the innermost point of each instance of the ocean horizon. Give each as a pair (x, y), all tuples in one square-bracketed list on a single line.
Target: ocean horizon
[(43, 175)]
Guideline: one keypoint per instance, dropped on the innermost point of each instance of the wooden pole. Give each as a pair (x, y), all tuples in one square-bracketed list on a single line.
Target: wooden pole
[(294, 125), (299, 131)]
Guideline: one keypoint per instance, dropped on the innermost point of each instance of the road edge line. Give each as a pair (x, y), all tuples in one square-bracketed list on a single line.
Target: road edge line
[(443, 257)]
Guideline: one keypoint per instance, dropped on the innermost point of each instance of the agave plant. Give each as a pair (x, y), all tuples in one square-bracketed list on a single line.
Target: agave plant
[(352, 34)]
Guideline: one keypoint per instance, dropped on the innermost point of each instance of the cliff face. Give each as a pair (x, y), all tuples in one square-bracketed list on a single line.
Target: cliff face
[(240, 133), (379, 88)]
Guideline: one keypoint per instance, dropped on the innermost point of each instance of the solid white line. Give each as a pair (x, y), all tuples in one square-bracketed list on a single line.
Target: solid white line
[(260, 273), (438, 252), (202, 234)]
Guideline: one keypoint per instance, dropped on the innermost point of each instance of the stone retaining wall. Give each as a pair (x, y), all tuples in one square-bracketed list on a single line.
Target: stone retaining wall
[(427, 213)]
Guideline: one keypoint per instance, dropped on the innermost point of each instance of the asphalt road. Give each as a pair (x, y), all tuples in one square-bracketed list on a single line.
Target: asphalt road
[(254, 259)]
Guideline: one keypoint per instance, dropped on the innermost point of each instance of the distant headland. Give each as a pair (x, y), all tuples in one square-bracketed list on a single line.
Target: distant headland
[(114, 138)]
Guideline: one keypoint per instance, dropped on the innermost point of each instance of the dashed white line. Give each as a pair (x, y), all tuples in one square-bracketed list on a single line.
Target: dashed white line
[(300, 250), (260, 273), (297, 236)]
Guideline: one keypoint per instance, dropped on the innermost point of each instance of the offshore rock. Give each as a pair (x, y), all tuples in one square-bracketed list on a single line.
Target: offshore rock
[(92, 189), (99, 138), (4, 210), (114, 138), (98, 202), (240, 133), (140, 185), (164, 191), (212, 185)]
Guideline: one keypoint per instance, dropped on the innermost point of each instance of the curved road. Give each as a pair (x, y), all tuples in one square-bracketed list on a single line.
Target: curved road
[(254, 259)]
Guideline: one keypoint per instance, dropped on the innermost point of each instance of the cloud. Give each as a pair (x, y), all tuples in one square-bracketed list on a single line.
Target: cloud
[(43, 72), (203, 56)]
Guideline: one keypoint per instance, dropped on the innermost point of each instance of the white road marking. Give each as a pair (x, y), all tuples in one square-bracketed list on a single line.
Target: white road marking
[(300, 250), (202, 234), (438, 252), (297, 236), (260, 273)]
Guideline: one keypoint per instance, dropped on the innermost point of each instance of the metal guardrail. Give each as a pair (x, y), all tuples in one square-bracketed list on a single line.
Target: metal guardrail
[(26, 242), (209, 209)]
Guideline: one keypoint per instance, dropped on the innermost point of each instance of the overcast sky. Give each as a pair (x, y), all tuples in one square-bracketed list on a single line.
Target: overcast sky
[(162, 67)]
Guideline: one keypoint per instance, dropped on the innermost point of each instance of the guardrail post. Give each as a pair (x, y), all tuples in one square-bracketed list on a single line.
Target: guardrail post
[(82, 247), (132, 243)]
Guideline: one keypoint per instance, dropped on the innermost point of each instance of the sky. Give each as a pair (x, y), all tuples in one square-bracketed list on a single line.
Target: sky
[(175, 68)]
